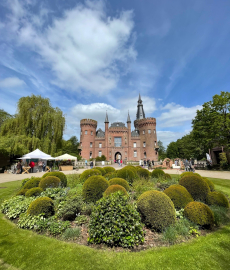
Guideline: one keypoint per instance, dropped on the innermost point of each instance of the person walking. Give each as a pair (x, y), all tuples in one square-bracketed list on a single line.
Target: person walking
[(43, 166), (86, 163), (51, 165), (40, 166), (121, 162), (19, 167), (32, 164), (91, 165)]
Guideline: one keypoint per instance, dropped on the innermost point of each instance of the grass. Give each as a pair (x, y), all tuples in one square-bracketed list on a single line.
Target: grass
[(23, 249)]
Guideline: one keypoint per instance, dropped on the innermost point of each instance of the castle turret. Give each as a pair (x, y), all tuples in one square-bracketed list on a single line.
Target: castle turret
[(129, 134), (140, 109), (106, 135)]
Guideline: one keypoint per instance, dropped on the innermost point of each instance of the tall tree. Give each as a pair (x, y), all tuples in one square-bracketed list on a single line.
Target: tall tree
[(161, 151), (36, 124), (172, 150), (4, 116)]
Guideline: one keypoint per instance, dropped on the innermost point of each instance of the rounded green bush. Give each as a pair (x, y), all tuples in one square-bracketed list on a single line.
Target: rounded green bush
[(110, 175), (103, 172), (210, 183), (119, 181), (115, 188), (109, 169), (49, 182), (43, 205), (167, 176), (157, 209), (132, 168), (179, 196), (188, 173), (217, 198), (59, 175), (87, 173), (33, 182), (126, 174), (196, 186), (94, 187), (143, 173), (33, 192), (22, 192), (157, 173), (199, 213)]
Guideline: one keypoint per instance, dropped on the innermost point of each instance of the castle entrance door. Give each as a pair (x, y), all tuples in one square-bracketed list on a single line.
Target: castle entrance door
[(117, 156)]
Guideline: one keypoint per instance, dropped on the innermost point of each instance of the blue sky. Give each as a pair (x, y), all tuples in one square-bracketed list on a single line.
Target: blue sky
[(91, 56)]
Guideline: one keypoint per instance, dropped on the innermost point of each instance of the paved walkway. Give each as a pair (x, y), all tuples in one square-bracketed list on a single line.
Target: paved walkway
[(5, 177)]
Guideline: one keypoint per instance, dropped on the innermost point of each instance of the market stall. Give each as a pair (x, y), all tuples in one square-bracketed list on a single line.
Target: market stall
[(65, 162)]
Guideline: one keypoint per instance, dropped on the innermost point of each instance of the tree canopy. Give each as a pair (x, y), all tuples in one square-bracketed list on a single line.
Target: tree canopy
[(4, 116), (161, 151)]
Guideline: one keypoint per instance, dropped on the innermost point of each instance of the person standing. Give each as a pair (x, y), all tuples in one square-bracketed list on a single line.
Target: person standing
[(121, 162), (43, 166), (19, 167), (51, 165), (91, 164), (32, 164), (40, 166), (86, 163)]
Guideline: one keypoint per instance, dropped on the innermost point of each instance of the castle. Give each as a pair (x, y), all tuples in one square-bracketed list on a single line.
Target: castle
[(118, 141)]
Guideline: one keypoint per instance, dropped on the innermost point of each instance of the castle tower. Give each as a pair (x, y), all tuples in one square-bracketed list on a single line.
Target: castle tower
[(87, 138), (129, 134), (106, 135), (140, 110)]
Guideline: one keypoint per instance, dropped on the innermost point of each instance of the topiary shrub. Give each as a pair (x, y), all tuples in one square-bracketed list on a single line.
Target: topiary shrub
[(199, 213), (188, 173), (167, 176), (110, 175), (33, 182), (115, 222), (210, 183), (94, 187), (25, 180), (119, 181), (196, 186), (179, 196), (59, 175), (33, 192), (22, 192), (157, 209), (102, 170), (43, 205), (115, 188), (217, 198), (126, 174), (157, 173), (87, 173), (49, 182), (132, 168), (109, 169), (143, 173)]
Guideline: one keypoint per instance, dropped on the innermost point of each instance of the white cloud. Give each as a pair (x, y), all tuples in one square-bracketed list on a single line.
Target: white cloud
[(11, 82), (170, 136), (177, 115)]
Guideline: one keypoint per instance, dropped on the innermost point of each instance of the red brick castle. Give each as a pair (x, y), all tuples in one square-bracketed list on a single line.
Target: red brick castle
[(118, 141)]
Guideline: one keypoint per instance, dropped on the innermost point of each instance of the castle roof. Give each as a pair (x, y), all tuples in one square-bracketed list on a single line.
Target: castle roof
[(117, 124), (140, 110), (100, 133), (135, 133)]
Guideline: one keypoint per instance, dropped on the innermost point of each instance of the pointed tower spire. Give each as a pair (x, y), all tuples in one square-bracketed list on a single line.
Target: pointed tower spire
[(140, 110), (128, 118), (139, 100), (106, 118)]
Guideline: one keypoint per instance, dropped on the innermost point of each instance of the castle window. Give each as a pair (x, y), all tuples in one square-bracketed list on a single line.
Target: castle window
[(126, 153), (110, 153), (154, 131), (156, 153), (149, 131), (134, 145), (91, 145), (135, 153), (90, 155), (99, 153), (144, 144), (117, 141), (143, 132), (85, 132), (155, 143), (81, 132), (91, 132), (100, 145), (145, 155)]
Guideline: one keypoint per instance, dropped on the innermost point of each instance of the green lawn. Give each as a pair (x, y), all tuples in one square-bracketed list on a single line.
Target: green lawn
[(23, 249)]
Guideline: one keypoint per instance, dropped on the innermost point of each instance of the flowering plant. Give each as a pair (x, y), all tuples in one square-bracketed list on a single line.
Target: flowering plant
[(66, 162)]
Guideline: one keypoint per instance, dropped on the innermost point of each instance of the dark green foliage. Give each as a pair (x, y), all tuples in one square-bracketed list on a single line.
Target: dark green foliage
[(110, 175), (109, 169), (43, 205), (87, 173), (179, 196), (141, 186), (115, 222), (156, 209), (94, 187), (25, 180), (210, 183), (143, 173), (167, 176), (188, 174), (33, 192), (157, 173), (71, 233), (103, 172), (119, 181), (126, 174), (218, 199), (221, 215), (59, 175), (49, 182), (199, 213), (115, 188), (196, 186), (33, 182), (22, 192), (132, 168)]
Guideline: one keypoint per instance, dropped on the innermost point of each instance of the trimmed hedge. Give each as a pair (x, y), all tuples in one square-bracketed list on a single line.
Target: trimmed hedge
[(157, 209), (126, 174), (22, 192), (196, 186), (119, 181), (115, 188), (157, 173), (167, 176), (179, 196), (199, 213), (33, 182), (143, 173), (210, 183), (217, 198), (188, 173), (43, 205), (94, 187), (103, 172), (109, 169), (132, 168), (59, 175), (110, 175), (87, 173), (33, 192), (49, 182)]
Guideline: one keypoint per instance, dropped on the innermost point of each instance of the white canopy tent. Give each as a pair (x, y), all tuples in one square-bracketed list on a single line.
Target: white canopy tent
[(37, 154), (66, 157)]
